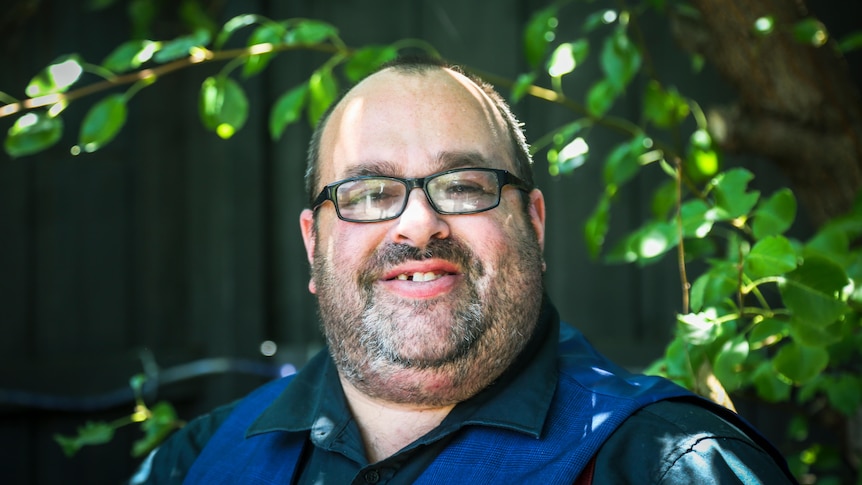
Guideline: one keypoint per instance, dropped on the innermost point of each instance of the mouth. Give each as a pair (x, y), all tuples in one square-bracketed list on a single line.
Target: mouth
[(422, 272), (420, 276)]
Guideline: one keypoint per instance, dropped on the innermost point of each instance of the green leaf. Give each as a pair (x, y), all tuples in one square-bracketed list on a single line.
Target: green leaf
[(767, 333), (696, 218), (287, 110), (812, 292), (798, 428), (701, 160), (813, 334), (646, 245), (182, 46), (830, 242), (57, 77), (698, 328), (775, 214), (268, 33), (845, 393), (679, 365), (620, 60), (622, 163), (92, 433), (729, 362), (851, 42), (593, 21), (522, 84), (601, 97), (664, 108), (130, 55), (663, 200), (717, 284), (731, 198), (367, 60), (769, 385), (567, 56), (102, 122), (596, 227), (538, 34), (800, 363), (772, 256), (765, 25), (310, 32), (158, 427), (810, 31), (32, 133), (223, 106), (233, 25), (322, 89), (568, 157)]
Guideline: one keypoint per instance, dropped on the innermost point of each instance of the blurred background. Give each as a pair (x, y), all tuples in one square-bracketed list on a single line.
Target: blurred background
[(175, 253)]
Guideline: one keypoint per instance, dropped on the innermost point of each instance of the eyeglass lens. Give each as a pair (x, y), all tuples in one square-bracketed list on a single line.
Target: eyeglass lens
[(377, 198)]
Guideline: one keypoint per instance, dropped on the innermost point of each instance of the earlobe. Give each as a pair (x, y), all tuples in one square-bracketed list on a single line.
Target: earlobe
[(306, 226), (537, 215)]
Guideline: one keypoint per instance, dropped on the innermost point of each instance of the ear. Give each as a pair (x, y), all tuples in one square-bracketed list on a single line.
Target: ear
[(306, 226), (537, 215)]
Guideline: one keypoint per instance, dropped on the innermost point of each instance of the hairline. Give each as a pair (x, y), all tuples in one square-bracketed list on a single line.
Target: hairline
[(518, 150)]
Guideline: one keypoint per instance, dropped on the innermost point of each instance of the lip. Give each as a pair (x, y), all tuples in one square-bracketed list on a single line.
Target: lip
[(451, 277)]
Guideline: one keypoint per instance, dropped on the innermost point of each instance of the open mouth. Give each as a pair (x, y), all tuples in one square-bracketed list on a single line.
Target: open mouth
[(420, 276)]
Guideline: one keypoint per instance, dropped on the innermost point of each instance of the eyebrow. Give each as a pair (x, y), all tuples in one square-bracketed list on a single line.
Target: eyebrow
[(460, 159), (376, 167)]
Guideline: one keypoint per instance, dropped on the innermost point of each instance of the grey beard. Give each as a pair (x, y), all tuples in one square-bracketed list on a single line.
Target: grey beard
[(483, 335)]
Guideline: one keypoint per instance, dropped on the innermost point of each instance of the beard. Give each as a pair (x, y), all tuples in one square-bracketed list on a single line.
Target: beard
[(437, 351)]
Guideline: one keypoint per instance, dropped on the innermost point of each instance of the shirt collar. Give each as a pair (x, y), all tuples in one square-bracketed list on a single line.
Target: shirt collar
[(519, 400)]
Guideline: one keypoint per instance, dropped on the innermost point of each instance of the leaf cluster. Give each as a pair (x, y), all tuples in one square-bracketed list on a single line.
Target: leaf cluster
[(156, 423)]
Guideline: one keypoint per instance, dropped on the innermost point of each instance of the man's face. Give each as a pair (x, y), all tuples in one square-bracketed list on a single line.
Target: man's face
[(425, 308)]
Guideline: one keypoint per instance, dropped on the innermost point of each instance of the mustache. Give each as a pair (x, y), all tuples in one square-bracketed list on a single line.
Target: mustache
[(450, 249)]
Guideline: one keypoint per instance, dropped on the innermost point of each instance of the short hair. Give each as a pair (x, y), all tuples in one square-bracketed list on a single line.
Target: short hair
[(420, 65)]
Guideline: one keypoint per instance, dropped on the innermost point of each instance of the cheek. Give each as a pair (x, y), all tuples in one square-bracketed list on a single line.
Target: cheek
[(490, 242), (347, 246)]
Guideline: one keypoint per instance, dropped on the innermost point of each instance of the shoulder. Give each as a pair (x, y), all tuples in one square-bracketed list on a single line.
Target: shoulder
[(170, 462), (677, 441)]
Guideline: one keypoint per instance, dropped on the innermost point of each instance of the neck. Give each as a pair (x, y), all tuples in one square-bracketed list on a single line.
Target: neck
[(388, 427)]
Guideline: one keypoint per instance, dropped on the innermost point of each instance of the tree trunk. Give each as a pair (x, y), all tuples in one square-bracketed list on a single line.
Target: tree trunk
[(797, 105)]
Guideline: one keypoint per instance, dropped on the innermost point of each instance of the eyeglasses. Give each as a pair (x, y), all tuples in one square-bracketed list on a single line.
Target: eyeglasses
[(380, 198)]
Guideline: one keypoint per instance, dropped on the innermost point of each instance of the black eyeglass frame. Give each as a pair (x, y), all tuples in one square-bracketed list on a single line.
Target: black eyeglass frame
[(504, 177)]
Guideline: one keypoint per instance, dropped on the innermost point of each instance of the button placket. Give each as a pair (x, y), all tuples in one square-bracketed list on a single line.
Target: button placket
[(372, 476)]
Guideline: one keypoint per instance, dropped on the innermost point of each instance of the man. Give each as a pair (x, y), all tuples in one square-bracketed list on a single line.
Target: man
[(445, 361)]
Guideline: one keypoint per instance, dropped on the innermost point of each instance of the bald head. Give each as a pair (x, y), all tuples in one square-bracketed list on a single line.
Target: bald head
[(408, 95)]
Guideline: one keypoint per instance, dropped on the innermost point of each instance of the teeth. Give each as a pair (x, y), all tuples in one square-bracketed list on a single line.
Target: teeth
[(430, 276)]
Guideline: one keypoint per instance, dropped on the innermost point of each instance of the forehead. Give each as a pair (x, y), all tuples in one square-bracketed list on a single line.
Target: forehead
[(413, 124)]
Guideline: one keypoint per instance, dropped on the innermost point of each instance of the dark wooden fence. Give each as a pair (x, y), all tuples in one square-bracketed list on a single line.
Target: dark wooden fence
[(171, 245)]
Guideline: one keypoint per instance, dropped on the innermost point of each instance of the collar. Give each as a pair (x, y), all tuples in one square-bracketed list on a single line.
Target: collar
[(519, 400)]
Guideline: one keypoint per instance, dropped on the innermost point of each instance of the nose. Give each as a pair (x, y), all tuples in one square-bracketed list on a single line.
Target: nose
[(419, 223)]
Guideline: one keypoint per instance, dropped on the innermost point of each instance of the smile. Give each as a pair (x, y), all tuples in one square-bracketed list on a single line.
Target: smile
[(420, 276)]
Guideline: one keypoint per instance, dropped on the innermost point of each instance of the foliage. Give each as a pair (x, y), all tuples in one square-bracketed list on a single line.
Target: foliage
[(768, 314), (156, 423)]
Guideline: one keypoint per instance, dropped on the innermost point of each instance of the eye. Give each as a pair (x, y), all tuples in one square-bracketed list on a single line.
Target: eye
[(464, 189), (369, 192)]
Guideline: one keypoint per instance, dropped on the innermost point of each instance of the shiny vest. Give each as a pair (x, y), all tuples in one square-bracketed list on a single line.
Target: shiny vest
[(592, 399)]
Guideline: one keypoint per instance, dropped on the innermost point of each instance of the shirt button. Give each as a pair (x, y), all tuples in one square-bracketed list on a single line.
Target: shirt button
[(371, 476)]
